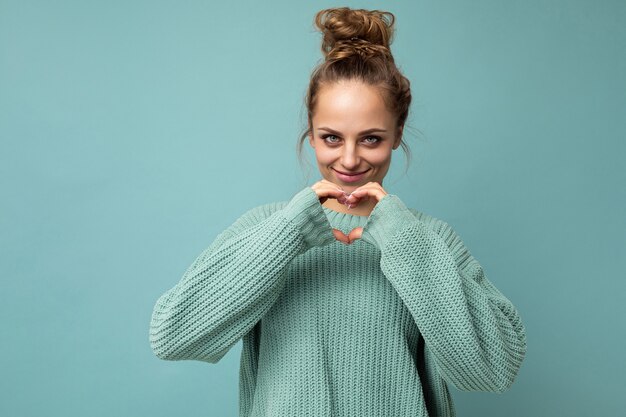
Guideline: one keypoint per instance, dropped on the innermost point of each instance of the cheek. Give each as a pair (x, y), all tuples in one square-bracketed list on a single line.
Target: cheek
[(324, 155), (380, 158)]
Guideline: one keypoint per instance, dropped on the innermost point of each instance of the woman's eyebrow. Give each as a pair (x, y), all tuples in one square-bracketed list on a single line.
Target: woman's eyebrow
[(365, 132)]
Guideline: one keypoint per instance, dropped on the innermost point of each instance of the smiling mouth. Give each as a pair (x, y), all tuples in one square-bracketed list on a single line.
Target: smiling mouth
[(351, 174), (352, 177)]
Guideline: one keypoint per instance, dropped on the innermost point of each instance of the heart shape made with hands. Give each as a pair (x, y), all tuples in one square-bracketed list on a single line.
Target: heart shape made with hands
[(350, 237), (354, 233)]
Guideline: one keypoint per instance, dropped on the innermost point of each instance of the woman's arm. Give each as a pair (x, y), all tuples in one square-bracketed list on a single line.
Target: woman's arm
[(235, 281), (473, 331)]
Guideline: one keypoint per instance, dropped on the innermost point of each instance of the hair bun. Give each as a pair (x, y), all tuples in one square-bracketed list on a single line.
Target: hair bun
[(347, 31)]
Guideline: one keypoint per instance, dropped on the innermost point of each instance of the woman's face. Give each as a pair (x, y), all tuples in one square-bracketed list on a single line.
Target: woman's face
[(353, 134)]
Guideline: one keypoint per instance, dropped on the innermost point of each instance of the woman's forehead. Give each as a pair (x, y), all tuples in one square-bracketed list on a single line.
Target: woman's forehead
[(351, 105)]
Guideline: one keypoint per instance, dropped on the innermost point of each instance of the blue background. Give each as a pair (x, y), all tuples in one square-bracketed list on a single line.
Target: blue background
[(133, 132)]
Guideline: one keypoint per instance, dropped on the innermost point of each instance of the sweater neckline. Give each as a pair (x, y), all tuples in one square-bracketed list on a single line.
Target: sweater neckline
[(344, 220)]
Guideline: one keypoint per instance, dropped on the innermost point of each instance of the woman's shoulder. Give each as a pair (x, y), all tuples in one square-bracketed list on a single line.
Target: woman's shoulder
[(444, 230), (394, 203), (263, 211), (439, 226), (428, 219), (251, 217)]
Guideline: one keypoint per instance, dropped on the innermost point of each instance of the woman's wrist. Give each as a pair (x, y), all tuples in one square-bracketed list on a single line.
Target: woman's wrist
[(389, 216), (305, 212)]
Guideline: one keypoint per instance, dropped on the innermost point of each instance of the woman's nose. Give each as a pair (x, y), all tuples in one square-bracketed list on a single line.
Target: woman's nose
[(350, 157)]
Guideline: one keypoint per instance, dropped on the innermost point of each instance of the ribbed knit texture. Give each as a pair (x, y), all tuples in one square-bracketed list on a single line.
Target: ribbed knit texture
[(375, 328)]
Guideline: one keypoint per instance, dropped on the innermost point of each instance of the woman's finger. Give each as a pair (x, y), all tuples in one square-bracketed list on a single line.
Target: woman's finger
[(371, 189), (341, 236), (325, 190), (355, 234)]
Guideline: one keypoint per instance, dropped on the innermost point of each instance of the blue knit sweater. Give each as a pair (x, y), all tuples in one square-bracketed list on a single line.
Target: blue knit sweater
[(375, 328)]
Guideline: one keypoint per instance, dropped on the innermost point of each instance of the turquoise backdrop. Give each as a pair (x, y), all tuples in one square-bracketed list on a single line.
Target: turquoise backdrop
[(133, 132)]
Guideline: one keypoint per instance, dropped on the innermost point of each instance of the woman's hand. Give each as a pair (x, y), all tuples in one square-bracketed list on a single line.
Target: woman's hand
[(326, 189), (370, 191)]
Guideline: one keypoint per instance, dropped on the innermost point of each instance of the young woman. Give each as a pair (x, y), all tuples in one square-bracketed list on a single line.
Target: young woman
[(348, 302)]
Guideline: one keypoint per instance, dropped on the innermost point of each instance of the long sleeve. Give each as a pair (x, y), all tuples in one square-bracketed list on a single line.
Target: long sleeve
[(472, 331), (235, 281)]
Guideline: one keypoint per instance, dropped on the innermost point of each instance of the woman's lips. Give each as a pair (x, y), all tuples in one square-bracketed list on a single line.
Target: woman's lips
[(350, 177)]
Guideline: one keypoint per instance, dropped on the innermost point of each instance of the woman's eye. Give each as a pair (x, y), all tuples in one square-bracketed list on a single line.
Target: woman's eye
[(371, 140), (330, 138)]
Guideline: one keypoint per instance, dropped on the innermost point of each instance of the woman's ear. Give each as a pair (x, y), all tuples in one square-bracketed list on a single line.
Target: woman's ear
[(311, 141), (398, 139)]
